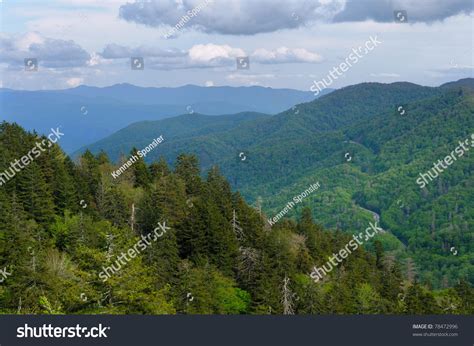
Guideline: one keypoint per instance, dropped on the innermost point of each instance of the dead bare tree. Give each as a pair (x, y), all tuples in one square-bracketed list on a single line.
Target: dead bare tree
[(287, 297), (239, 232), (132, 218), (248, 260)]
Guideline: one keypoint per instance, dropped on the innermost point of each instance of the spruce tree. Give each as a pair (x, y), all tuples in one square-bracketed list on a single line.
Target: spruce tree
[(159, 169), (140, 171)]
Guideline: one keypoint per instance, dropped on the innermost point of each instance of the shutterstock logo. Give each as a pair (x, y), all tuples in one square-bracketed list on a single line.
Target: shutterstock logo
[(47, 331)]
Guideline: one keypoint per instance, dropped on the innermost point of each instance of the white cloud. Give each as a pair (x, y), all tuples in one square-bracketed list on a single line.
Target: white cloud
[(231, 17), (74, 82), (416, 49), (285, 55), (249, 17), (206, 53), (198, 56), (49, 52)]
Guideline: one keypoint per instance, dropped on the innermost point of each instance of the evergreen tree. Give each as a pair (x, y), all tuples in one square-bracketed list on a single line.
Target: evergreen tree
[(418, 301), (159, 169), (216, 255), (140, 171), (307, 228), (187, 168)]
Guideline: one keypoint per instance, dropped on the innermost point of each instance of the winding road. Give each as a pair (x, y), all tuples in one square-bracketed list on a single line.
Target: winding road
[(374, 214)]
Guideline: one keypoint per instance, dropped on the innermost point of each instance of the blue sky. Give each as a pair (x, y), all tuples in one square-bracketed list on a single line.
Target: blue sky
[(290, 43)]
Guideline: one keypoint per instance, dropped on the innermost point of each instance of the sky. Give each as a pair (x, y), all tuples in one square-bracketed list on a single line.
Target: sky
[(289, 43)]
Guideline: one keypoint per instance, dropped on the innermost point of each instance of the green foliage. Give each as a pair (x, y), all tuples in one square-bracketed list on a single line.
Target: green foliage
[(219, 255), (286, 153)]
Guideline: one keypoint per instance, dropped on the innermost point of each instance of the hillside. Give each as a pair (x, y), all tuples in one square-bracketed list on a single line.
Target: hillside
[(174, 130), (465, 83), (388, 147), (162, 241)]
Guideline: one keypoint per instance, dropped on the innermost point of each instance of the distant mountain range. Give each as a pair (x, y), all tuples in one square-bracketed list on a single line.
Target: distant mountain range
[(87, 114), (366, 144)]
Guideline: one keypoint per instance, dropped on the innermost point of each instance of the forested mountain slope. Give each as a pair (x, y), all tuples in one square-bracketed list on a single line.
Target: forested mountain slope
[(175, 130), (64, 224), (366, 144)]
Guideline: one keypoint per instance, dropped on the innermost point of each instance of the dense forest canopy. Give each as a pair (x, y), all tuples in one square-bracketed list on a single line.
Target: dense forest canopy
[(366, 152), (62, 223)]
